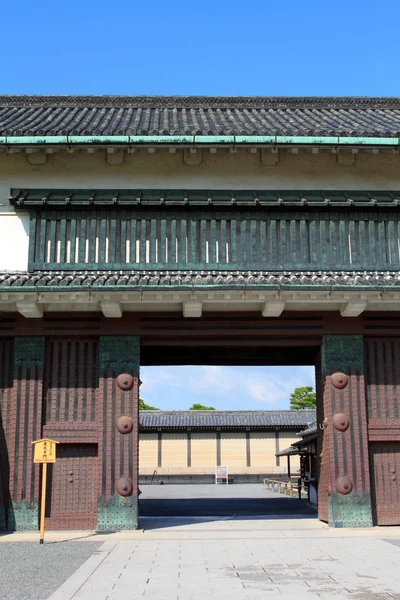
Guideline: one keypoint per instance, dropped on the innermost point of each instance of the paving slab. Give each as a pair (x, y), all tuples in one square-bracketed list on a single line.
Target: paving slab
[(238, 570), (235, 557)]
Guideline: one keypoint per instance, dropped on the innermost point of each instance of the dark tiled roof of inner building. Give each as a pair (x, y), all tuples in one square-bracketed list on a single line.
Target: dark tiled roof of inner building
[(189, 279), (175, 115), (313, 428), (150, 419)]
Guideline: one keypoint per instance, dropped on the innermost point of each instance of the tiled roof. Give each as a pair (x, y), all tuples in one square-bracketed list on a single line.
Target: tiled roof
[(288, 452), (225, 418), (308, 435), (309, 431), (189, 279), (305, 441), (302, 199), (133, 115)]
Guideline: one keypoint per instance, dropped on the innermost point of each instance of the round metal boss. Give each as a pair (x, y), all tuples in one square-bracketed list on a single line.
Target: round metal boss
[(341, 422), (124, 487), (124, 424), (344, 485), (339, 380), (125, 381)]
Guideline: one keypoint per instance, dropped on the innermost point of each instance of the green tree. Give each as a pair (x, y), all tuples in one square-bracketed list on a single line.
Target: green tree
[(201, 407), (144, 406), (302, 397)]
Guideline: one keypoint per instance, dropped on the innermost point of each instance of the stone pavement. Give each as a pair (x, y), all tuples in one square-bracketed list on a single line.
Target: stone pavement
[(240, 559), (237, 556)]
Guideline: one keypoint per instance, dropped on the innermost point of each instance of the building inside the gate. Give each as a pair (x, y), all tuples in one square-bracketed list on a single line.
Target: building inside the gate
[(186, 446), (139, 230)]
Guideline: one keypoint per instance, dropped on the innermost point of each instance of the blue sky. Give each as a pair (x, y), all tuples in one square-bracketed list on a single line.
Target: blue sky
[(235, 388), (210, 47)]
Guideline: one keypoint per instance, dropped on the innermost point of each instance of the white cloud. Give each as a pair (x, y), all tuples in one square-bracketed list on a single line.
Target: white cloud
[(223, 387), (207, 378)]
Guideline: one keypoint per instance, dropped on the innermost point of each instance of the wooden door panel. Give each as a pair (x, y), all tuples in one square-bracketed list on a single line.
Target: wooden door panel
[(386, 478), (72, 488)]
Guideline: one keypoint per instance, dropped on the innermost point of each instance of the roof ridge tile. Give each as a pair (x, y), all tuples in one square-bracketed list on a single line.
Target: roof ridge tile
[(198, 115)]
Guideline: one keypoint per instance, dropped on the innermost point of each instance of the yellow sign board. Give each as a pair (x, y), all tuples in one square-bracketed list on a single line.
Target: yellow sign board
[(44, 451)]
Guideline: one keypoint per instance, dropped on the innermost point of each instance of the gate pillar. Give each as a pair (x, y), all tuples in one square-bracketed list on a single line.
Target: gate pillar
[(345, 459), (25, 423), (118, 438)]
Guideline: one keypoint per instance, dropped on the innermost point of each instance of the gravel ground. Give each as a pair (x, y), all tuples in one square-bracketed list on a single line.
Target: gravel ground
[(29, 571)]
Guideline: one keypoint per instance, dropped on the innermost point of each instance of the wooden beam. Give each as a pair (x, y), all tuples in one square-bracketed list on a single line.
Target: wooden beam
[(111, 310), (273, 308), (30, 309), (353, 308), (192, 309)]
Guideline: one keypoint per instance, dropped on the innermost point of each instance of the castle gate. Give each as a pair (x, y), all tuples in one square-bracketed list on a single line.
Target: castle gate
[(122, 249)]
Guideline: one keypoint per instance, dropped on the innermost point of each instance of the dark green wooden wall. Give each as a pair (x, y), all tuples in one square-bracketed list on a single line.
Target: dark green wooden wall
[(215, 240)]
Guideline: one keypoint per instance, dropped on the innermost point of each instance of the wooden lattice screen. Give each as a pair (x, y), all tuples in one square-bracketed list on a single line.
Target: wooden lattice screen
[(257, 239)]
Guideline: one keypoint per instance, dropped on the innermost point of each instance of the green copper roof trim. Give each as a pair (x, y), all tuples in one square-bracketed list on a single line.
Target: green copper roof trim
[(193, 140)]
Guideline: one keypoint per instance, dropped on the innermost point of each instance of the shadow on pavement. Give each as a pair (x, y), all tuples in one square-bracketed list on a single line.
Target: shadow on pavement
[(225, 507)]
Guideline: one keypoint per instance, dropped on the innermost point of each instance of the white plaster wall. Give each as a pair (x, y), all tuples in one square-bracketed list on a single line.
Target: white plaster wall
[(224, 170), (14, 241)]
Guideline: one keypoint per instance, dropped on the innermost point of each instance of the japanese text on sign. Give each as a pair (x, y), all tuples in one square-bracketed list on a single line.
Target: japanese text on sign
[(221, 471), (45, 451)]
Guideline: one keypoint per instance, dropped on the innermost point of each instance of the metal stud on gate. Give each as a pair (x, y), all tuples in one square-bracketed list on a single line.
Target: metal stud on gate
[(344, 485), (124, 487), (124, 424), (341, 422), (339, 380), (125, 381)]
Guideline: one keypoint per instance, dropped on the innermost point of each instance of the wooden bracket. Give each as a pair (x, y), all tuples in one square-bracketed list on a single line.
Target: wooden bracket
[(353, 308), (111, 310), (273, 308), (192, 309), (30, 309)]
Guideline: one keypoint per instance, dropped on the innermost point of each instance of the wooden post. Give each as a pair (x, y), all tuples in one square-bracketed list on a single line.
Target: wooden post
[(44, 452), (350, 506), (43, 501), (288, 466)]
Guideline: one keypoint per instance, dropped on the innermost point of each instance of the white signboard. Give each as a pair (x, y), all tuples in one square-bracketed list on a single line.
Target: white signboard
[(221, 473)]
